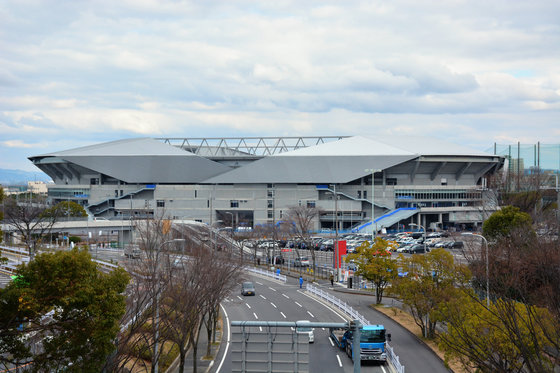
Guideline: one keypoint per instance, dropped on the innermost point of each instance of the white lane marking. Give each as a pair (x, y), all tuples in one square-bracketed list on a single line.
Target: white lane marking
[(256, 317), (310, 314), (228, 338), (326, 305), (282, 313), (272, 288), (339, 362), (262, 296), (330, 340), (260, 328), (239, 297), (260, 283), (298, 304), (383, 369), (247, 304), (273, 305), (322, 328), (285, 296)]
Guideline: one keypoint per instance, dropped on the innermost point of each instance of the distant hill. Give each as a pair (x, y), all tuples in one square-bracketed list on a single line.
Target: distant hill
[(19, 177)]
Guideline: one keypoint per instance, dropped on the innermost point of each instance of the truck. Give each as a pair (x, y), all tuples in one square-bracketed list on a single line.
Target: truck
[(372, 342)]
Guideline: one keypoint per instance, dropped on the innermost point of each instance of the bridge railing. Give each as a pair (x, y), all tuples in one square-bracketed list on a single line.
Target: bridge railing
[(394, 358), (263, 272), (344, 307)]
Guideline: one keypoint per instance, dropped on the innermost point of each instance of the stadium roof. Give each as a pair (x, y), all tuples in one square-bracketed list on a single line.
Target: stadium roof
[(341, 160)]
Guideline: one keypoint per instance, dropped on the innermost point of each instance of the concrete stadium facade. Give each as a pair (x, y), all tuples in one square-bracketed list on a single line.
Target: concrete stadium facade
[(255, 181)]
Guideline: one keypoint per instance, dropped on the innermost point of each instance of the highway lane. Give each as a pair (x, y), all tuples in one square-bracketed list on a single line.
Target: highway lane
[(413, 355), (279, 302)]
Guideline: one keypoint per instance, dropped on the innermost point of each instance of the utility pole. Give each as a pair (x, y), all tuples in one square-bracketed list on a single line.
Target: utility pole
[(337, 250)]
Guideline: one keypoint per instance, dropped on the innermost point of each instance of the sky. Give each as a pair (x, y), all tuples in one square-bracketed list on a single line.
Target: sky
[(75, 73)]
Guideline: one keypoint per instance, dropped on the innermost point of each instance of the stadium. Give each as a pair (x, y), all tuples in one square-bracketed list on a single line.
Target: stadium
[(249, 181)]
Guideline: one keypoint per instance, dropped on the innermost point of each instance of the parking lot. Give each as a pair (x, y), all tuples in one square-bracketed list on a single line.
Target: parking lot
[(296, 256)]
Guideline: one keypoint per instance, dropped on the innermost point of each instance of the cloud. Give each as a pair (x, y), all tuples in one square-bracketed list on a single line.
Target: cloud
[(473, 72), (16, 144)]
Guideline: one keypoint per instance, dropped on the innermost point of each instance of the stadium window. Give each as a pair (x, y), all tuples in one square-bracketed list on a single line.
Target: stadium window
[(270, 193), (160, 203), (270, 214), (310, 204), (270, 204), (365, 194), (233, 203), (359, 194), (195, 194), (94, 181), (270, 185)]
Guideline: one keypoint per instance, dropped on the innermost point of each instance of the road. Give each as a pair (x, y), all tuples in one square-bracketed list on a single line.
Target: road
[(287, 302)]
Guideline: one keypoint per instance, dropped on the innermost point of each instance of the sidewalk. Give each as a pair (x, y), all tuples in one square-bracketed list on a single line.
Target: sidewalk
[(203, 365)]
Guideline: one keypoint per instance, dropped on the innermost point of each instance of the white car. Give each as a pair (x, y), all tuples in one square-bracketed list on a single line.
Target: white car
[(301, 328), (302, 262)]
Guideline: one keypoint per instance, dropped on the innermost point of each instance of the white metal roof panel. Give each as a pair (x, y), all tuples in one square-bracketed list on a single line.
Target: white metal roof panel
[(308, 169)]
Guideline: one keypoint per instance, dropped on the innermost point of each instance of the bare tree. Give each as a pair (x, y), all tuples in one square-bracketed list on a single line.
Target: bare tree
[(303, 218), (227, 273), (30, 220)]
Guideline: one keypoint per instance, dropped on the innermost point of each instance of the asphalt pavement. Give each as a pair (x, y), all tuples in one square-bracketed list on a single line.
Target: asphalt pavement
[(413, 353)]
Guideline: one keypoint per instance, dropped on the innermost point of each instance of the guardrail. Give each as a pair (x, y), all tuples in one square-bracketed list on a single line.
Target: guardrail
[(107, 265), (274, 275), (394, 358), (7, 269), (344, 307)]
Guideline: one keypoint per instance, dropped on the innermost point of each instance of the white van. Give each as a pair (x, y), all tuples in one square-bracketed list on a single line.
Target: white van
[(301, 328)]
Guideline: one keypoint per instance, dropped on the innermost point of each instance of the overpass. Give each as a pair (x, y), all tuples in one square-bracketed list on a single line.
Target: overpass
[(93, 231)]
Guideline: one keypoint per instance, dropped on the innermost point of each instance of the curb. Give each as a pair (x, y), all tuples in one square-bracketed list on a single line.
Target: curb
[(414, 335), (219, 346)]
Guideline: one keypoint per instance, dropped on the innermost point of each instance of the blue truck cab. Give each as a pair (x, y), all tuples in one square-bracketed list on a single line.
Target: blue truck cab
[(372, 342)]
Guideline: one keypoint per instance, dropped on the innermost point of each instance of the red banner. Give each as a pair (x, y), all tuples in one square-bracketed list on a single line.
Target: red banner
[(341, 252)]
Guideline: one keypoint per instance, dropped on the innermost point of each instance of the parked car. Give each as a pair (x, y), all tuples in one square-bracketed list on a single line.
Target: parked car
[(302, 262), (327, 245), (443, 244), (418, 249), (247, 288), (456, 245), (404, 248)]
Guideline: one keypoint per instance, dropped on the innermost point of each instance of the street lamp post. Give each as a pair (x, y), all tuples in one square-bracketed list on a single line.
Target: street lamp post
[(487, 271), (424, 242), (373, 224), (156, 318), (423, 235), (336, 249)]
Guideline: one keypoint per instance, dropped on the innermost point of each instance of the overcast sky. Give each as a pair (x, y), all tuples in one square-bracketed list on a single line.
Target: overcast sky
[(75, 73)]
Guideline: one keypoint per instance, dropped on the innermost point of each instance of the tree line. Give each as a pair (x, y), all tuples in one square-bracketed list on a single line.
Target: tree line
[(62, 312), (516, 329)]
